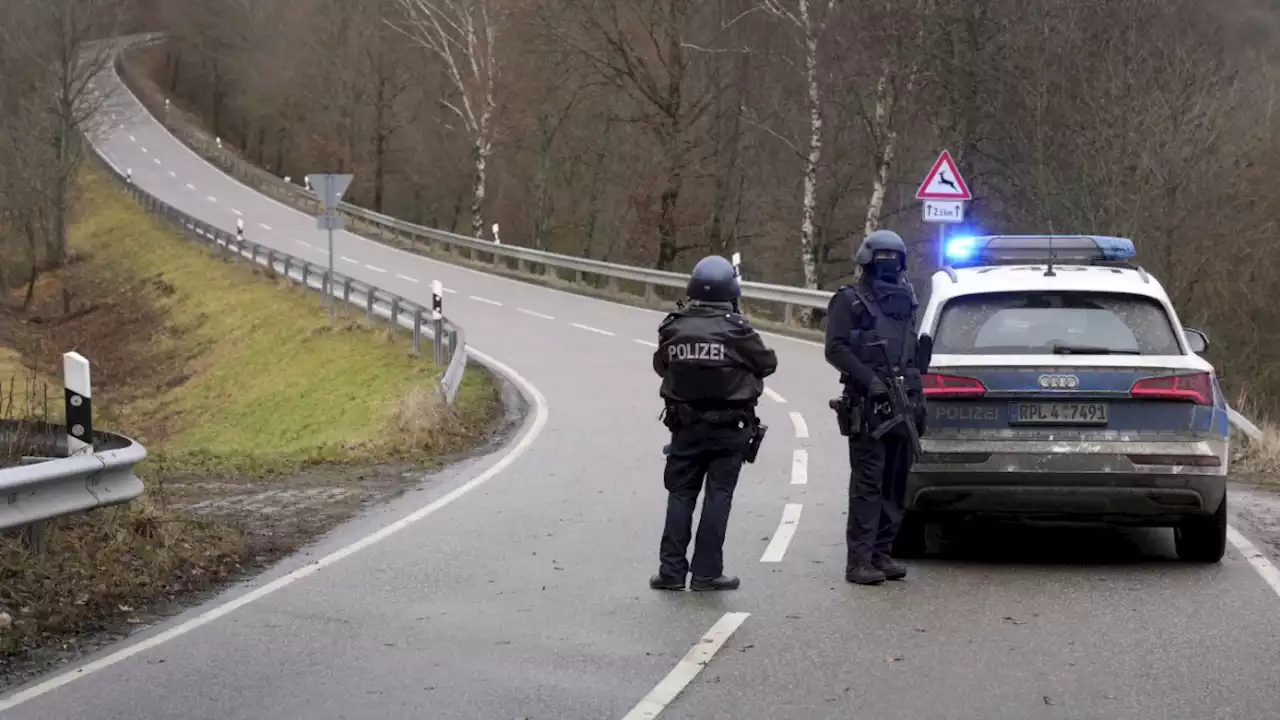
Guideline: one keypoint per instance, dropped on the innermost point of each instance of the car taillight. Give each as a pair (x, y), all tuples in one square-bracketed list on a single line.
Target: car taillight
[(937, 387), (1196, 388)]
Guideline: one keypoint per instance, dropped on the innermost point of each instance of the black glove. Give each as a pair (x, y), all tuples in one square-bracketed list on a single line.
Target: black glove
[(921, 418)]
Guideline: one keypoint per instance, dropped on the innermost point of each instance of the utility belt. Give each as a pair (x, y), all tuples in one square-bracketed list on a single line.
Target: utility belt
[(678, 416), (681, 416)]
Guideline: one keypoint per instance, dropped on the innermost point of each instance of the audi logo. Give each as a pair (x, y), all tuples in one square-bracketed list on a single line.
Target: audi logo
[(1059, 382)]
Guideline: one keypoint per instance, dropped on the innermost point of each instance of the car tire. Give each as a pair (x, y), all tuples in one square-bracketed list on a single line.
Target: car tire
[(1203, 539), (912, 540)]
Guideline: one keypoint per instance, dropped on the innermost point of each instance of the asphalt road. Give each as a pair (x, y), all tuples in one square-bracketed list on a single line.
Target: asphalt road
[(524, 594)]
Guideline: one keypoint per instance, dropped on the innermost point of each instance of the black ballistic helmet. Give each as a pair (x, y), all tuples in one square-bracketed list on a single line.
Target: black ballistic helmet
[(713, 280), (879, 241)]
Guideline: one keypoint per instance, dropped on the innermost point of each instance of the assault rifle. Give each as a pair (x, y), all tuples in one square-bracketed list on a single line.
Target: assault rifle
[(902, 413)]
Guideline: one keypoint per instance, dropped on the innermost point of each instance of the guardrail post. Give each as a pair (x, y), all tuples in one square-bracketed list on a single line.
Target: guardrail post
[(788, 311), (34, 535), (368, 301), (417, 331), (650, 293), (437, 319), (346, 291), (287, 257), (395, 311)]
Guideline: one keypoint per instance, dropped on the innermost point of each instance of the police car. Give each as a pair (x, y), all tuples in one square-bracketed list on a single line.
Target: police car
[(1062, 386)]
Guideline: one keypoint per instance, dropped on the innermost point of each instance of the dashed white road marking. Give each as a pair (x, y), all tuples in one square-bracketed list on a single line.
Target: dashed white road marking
[(155, 160), (133, 139), (535, 314), (237, 212), (802, 429), (302, 242), (144, 149), (698, 657), (1263, 566), (646, 343), (264, 226), (173, 174), (406, 278), (375, 269), (449, 290), (211, 198), (190, 186), (588, 328), (774, 396), (799, 466), (782, 536), (477, 298), (347, 259)]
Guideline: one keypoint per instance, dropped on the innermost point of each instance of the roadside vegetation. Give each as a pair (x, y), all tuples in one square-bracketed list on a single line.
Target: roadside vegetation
[(264, 426)]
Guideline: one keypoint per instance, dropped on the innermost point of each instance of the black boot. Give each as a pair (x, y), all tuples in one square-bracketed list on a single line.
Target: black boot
[(662, 582), (891, 569), (724, 582), (864, 574)]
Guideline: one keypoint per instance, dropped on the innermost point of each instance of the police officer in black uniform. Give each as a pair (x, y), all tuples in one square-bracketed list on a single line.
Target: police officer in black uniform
[(880, 306), (713, 365)]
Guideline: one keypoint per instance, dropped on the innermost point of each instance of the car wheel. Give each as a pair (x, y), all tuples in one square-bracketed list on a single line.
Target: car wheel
[(911, 540), (1203, 540)]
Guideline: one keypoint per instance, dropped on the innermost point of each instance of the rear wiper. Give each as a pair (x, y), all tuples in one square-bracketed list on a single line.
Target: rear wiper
[(1091, 350)]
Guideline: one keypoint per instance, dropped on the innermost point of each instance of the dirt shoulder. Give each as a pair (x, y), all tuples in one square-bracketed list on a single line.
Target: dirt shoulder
[(265, 427)]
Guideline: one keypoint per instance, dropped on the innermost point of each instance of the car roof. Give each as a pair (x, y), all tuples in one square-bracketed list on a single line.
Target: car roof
[(948, 284)]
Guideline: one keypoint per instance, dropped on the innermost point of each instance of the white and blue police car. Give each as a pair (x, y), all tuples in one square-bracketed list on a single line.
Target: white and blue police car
[(1062, 386)]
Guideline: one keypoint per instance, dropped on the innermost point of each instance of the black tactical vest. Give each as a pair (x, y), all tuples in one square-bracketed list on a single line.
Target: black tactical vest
[(874, 324)]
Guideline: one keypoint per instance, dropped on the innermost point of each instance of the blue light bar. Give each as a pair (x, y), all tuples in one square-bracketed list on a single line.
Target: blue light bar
[(979, 250)]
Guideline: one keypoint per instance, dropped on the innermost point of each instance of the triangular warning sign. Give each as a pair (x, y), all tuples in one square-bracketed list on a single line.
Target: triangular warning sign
[(944, 182)]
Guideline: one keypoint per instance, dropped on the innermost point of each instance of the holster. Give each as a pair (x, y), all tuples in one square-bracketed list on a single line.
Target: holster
[(848, 415), (758, 431)]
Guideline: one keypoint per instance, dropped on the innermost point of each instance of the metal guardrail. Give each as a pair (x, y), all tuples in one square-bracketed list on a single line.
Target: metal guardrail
[(398, 311), (51, 484), (527, 259)]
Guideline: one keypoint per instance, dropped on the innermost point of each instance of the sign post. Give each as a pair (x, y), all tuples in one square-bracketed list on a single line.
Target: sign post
[(943, 194), (329, 187)]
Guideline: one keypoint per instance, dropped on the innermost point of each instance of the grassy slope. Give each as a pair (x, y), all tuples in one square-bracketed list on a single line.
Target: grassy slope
[(222, 373), (268, 379)]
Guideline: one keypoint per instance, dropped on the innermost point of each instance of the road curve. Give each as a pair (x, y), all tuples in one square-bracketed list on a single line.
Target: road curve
[(514, 586)]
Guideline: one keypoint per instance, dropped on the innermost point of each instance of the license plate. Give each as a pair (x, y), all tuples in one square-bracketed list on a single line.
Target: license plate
[(1061, 413)]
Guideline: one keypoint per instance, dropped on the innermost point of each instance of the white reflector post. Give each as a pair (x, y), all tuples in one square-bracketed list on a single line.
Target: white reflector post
[(79, 408)]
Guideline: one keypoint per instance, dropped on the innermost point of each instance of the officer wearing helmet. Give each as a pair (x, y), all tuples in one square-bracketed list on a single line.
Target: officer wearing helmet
[(713, 365), (871, 338)]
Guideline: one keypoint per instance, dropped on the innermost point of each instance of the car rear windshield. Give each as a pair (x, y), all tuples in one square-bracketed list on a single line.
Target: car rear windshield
[(1034, 323)]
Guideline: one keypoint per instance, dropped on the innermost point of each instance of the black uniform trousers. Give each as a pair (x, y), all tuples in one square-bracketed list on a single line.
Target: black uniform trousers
[(699, 453), (877, 493)]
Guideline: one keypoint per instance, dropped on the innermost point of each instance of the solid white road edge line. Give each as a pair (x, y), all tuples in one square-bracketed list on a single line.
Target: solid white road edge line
[(1263, 566), (799, 466), (698, 657), (535, 429), (782, 536), (774, 396), (802, 429), (646, 343)]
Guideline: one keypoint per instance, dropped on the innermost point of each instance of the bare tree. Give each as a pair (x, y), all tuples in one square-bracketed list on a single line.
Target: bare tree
[(461, 34)]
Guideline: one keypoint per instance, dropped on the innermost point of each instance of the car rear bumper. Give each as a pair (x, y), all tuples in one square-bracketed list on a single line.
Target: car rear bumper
[(1074, 481)]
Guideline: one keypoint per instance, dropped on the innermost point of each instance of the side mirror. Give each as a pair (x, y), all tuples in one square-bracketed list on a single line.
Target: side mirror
[(1197, 341), (924, 352)]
